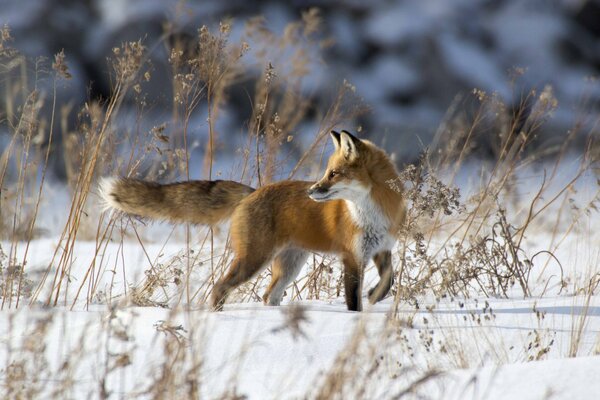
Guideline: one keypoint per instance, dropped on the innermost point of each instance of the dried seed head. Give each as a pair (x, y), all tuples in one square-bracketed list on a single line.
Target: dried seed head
[(349, 86), (547, 98), (225, 27), (269, 73), (5, 39), (481, 94), (245, 48), (128, 60), (311, 20), (175, 56), (203, 32), (5, 33), (60, 66)]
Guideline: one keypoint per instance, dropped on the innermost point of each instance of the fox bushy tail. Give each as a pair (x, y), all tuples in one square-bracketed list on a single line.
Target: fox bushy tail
[(197, 202)]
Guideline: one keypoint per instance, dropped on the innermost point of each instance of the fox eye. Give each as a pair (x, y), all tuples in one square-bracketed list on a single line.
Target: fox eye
[(332, 174)]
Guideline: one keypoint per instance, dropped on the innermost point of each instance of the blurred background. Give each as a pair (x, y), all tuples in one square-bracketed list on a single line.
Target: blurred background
[(413, 63)]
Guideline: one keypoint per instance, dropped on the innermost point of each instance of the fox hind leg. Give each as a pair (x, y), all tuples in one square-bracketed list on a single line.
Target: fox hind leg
[(285, 269), (383, 261), (240, 271)]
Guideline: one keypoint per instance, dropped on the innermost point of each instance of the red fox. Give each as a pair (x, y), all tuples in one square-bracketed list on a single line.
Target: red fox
[(353, 211)]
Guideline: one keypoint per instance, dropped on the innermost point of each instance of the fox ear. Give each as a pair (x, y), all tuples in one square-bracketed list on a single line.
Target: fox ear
[(350, 145), (335, 138)]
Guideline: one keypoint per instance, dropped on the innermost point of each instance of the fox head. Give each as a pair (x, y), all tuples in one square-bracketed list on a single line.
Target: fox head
[(346, 176)]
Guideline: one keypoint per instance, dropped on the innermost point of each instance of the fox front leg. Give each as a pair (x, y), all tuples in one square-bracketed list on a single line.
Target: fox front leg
[(383, 261), (353, 277)]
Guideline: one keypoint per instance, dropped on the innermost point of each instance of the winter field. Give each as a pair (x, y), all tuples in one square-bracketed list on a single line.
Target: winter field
[(497, 270), (131, 320), (122, 328)]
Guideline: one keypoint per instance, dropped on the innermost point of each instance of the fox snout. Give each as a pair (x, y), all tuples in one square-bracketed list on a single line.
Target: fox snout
[(319, 192), (314, 189)]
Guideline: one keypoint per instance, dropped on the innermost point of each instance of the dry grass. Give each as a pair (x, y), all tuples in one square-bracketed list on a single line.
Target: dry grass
[(454, 246)]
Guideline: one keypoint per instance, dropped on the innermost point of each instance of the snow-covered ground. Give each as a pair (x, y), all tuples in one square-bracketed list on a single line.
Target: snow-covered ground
[(248, 348), (128, 323), (448, 348)]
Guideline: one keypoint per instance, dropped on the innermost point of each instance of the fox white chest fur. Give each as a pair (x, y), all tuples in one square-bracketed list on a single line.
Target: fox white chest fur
[(373, 236)]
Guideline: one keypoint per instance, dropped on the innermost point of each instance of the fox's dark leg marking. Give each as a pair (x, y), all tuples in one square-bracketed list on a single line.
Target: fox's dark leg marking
[(383, 261), (353, 274)]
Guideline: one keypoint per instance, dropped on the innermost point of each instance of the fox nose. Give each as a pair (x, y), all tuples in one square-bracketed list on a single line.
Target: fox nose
[(314, 189)]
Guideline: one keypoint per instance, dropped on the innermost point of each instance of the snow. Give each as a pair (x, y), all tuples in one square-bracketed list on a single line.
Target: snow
[(482, 346), (346, 35), (391, 26), (386, 76), (467, 61), (403, 21), (475, 347), (575, 378), (247, 342)]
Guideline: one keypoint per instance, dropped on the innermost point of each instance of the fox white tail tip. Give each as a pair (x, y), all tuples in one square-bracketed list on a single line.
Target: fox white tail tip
[(106, 188)]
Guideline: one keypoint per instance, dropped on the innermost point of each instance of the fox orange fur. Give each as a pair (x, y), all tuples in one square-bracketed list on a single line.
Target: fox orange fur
[(353, 212)]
